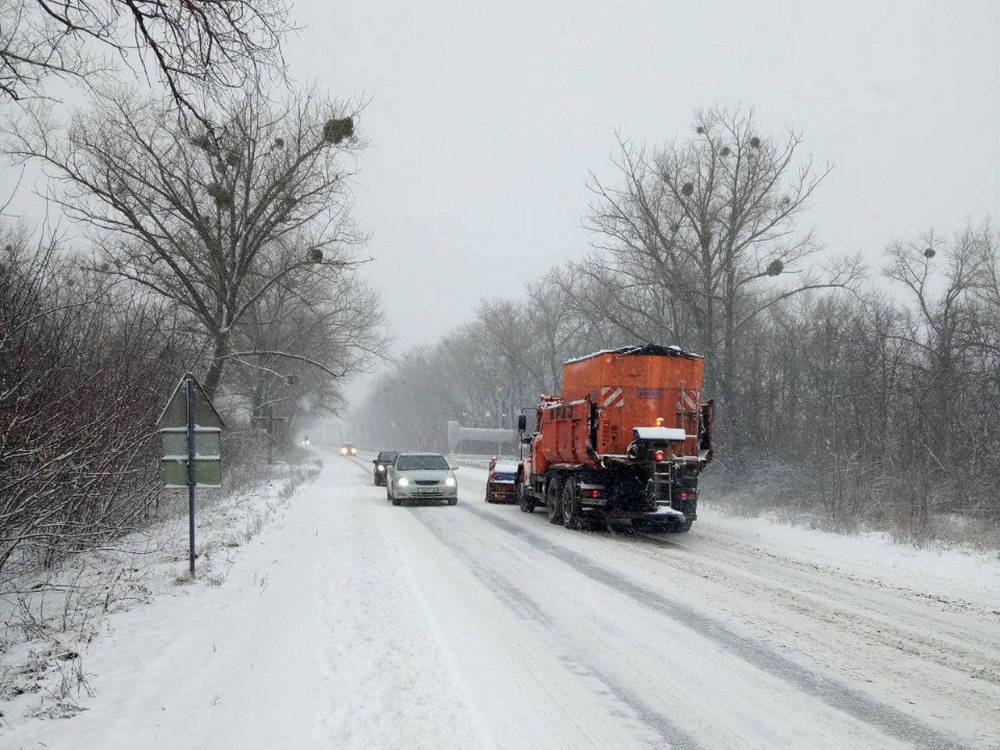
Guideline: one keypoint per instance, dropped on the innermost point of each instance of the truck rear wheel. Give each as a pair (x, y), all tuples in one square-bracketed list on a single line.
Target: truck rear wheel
[(572, 514), (553, 501)]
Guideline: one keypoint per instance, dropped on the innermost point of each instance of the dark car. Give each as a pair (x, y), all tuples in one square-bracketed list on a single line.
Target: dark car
[(382, 461)]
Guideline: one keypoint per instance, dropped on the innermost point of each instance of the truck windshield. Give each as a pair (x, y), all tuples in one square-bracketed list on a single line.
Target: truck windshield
[(408, 463)]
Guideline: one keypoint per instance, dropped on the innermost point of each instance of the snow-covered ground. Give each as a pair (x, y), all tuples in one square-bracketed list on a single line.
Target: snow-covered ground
[(355, 624)]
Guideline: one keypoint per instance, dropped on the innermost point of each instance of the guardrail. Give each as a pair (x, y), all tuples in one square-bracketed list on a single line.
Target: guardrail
[(478, 461)]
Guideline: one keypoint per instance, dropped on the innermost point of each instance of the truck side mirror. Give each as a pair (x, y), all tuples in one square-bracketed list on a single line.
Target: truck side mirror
[(522, 423)]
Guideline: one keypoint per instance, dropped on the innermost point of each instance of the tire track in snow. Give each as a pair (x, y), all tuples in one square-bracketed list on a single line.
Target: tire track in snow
[(856, 703), (946, 668), (835, 694), (525, 608), (848, 584), (948, 645), (849, 606), (559, 704), (383, 681)]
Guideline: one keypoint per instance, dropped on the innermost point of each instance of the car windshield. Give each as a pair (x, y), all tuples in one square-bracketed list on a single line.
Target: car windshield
[(387, 456), (408, 463)]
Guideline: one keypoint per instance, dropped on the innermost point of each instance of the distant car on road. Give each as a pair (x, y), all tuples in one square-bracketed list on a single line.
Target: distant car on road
[(348, 449), (421, 476), (382, 462)]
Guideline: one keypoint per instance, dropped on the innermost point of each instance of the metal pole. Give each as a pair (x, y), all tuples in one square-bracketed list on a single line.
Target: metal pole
[(190, 397)]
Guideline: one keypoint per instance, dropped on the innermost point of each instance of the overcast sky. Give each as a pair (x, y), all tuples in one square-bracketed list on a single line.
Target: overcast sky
[(486, 118)]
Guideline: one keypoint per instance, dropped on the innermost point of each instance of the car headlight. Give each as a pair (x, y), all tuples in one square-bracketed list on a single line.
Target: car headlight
[(343, 451), (354, 451), (402, 481), (381, 468), (449, 482)]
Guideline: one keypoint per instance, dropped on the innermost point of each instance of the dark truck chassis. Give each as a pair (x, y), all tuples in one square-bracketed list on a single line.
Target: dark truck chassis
[(652, 496)]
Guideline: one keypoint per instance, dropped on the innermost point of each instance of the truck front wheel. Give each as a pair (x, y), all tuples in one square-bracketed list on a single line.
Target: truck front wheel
[(553, 501)]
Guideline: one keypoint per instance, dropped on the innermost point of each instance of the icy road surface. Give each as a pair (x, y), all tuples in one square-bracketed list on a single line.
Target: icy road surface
[(356, 624)]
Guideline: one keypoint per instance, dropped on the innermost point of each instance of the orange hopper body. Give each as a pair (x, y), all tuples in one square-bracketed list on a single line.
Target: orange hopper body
[(628, 390)]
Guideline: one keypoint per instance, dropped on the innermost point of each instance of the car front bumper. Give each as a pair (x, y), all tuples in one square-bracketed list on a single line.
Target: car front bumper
[(436, 492)]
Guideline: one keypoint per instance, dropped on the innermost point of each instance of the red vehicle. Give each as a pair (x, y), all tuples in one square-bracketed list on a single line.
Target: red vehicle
[(626, 441), (501, 484)]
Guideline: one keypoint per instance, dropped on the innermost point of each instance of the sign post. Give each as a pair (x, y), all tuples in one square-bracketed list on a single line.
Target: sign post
[(191, 481), (192, 446)]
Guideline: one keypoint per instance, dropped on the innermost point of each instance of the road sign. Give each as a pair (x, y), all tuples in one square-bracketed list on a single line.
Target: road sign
[(174, 414), (207, 457), (207, 433), (191, 429)]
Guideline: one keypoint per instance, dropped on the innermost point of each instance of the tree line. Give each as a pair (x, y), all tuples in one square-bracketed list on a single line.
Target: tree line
[(205, 225), (859, 395)]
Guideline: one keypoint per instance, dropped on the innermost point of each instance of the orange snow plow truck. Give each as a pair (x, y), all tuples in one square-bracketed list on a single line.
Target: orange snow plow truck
[(625, 442)]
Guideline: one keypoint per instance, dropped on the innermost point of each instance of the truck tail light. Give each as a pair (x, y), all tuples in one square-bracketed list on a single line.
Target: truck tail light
[(592, 493), (659, 456), (682, 496)]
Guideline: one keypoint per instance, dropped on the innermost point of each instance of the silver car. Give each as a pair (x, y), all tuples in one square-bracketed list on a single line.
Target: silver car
[(421, 476)]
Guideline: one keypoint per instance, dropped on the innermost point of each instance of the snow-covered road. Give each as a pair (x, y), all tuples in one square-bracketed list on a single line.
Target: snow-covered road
[(361, 625)]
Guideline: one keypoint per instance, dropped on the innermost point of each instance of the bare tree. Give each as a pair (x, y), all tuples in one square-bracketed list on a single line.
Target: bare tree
[(507, 340), (944, 330), (190, 44), (698, 231), (987, 241), (315, 320), (619, 308), (556, 332), (211, 219), (83, 365), (410, 405)]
